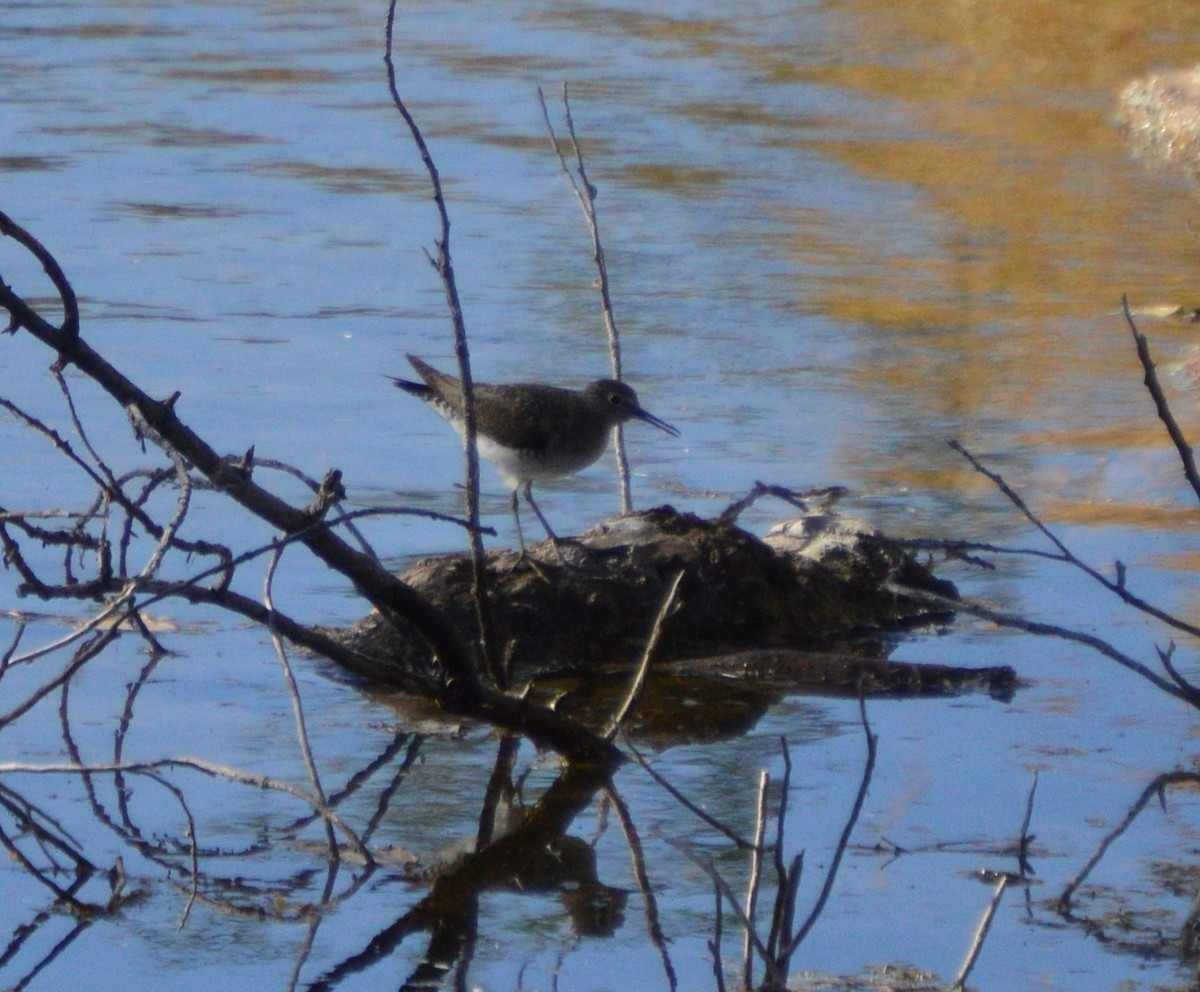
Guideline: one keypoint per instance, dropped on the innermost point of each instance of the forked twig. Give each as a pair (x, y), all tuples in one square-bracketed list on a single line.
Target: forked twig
[(585, 193)]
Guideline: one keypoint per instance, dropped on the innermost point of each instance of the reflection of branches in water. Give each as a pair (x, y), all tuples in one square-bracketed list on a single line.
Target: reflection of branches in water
[(526, 857), (653, 926)]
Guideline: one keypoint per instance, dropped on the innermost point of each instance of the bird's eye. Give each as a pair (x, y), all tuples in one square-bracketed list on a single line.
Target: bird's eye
[(614, 399)]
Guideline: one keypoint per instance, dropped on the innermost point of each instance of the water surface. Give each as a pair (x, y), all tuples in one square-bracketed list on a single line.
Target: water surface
[(838, 234)]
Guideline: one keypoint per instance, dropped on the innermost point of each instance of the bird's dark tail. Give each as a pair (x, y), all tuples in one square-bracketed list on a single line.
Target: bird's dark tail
[(418, 389)]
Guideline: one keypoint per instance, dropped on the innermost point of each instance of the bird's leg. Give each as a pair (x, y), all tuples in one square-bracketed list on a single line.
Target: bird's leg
[(537, 510), (516, 508), (544, 522), (525, 556)]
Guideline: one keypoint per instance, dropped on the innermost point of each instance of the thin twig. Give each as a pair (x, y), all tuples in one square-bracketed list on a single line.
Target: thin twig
[(844, 840), (444, 266), (981, 932), (1117, 587), (1155, 788), (705, 864), (760, 830), (1189, 694), (687, 804), (1186, 455), (780, 910), (714, 945), (211, 768), (289, 678), (1026, 839), (585, 193), (639, 678)]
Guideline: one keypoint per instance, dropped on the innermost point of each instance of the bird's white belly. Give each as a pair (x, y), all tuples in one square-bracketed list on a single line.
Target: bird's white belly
[(518, 466)]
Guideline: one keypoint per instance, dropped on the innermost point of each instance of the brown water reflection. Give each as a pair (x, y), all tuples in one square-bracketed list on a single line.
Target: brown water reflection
[(1025, 217)]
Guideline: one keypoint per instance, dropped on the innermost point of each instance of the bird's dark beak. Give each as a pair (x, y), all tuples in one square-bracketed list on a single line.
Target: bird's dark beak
[(662, 425)]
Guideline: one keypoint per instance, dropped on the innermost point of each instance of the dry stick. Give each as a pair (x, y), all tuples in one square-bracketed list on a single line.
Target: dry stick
[(785, 883), (1117, 587), (760, 830), (981, 933), (302, 740), (586, 195), (827, 495), (1002, 883), (1188, 695), (639, 678), (181, 507), (705, 864), (1160, 401), (1156, 787), (70, 324), (445, 270), (633, 842)]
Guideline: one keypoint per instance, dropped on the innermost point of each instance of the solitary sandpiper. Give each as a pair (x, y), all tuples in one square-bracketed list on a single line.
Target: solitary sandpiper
[(532, 432)]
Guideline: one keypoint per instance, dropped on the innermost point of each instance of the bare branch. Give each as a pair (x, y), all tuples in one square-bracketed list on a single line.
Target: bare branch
[(445, 269), (760, 829), (585, 193), (981, 932), (1155, 788), (1117, 587), (19, 311), (639, 678), (844, 840), (1160, 401)]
